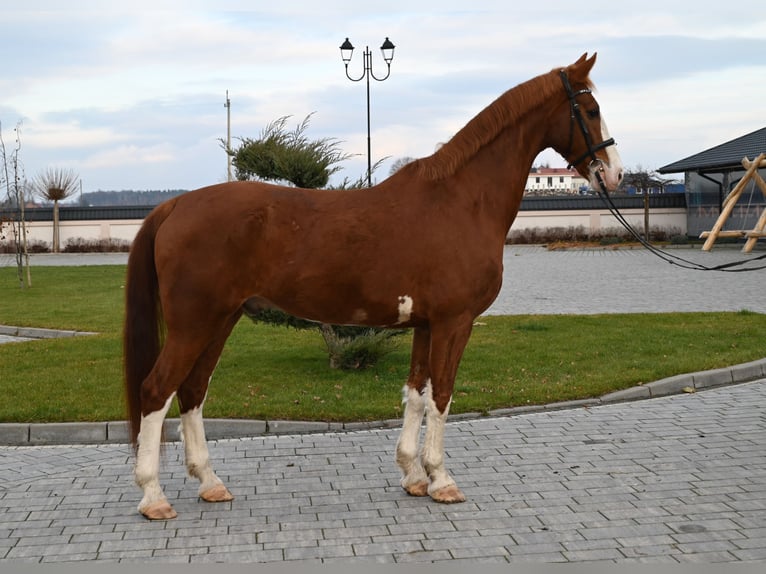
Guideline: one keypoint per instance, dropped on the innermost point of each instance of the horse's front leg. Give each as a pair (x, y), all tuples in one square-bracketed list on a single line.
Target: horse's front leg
[(414, 478), (447, 344)]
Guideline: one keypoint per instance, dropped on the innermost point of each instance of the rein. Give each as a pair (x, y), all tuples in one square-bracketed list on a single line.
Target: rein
[(576, 116), (670, 257)]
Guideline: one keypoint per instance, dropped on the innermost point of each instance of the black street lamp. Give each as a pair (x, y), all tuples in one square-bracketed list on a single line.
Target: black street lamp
[(387, 49)]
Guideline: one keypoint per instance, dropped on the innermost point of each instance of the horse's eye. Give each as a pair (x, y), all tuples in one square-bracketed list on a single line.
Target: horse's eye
[(593, 113)]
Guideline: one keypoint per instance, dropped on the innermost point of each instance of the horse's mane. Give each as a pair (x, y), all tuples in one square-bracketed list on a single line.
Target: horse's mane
[(482, 129)]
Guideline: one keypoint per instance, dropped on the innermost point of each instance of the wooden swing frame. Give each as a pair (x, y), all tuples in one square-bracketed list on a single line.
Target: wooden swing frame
[(757, 232)]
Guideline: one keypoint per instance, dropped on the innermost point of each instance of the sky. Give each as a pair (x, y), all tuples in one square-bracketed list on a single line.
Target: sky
[(134, 97)]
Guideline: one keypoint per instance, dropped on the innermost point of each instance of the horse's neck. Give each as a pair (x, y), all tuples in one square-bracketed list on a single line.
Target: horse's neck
[(498, 171)]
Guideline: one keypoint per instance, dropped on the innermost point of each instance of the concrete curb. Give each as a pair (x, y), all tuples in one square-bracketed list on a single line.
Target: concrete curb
[(116, 432), (35, 333)]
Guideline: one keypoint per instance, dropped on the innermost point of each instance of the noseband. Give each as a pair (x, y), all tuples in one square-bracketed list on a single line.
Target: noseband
[(576, 114)]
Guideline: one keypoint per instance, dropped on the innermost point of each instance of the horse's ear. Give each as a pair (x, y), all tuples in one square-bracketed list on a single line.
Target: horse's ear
[(582, 67)]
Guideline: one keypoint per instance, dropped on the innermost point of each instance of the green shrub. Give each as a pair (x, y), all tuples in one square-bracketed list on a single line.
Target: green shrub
[(359, 350), (349, 347)]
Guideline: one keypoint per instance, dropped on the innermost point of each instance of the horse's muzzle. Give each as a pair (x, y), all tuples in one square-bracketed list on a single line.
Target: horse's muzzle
[(605, 176)]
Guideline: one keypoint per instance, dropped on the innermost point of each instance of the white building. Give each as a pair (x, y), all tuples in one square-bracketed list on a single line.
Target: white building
[(550, 180)]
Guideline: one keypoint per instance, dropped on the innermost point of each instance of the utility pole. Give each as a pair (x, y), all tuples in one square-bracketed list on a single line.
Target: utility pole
[(227, 105)]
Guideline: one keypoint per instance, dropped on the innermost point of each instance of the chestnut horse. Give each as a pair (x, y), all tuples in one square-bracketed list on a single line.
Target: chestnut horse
[(422, 249)]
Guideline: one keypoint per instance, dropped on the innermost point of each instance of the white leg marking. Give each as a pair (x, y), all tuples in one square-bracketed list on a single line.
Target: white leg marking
[(195, 448), (405, 308), (407, 446), (433, 443), (147, 471)]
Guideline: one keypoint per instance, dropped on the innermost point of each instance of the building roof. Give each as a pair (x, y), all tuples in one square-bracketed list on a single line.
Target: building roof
[(723, 157)]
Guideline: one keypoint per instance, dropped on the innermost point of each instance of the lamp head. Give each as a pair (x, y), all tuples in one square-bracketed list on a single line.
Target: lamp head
[(388, 50), (346, 50)]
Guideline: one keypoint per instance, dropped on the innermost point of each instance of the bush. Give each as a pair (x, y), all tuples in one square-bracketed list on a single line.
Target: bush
[(73, 245), (33, 246), (578, 234), (349, 347), (111, 245), (360, 350)]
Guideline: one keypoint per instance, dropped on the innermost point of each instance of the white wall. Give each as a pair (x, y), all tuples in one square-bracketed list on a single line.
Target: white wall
[(90, 230), (595, 220), (592, 220)]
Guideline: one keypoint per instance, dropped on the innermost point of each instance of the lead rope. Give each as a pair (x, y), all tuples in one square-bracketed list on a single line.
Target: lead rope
[(669, 257), (603, 193)]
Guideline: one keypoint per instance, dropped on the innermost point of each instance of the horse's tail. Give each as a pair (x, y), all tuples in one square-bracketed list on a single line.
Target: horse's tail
[(143, 328)]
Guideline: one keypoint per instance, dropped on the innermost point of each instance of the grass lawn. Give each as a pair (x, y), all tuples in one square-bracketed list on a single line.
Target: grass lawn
[(269, 372)]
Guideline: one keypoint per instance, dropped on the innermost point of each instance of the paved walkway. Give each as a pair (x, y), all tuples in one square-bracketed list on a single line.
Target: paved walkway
[(675, 478)]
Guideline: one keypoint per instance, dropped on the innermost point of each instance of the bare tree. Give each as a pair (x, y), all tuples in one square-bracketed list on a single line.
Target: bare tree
[(399, 164), (56, 184), (10, 179), (644, 180)]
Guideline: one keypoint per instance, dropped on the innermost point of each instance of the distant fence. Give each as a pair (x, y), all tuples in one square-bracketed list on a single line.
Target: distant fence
[(122, 222)]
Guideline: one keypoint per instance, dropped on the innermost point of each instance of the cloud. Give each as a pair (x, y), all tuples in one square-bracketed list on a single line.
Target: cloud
[(130, 156), (115, 86)]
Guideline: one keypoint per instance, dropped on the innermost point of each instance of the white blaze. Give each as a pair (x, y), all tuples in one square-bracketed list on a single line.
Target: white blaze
[(613, 170)]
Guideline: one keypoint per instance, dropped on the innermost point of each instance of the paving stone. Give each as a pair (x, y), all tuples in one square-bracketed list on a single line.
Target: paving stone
[(675, 478)]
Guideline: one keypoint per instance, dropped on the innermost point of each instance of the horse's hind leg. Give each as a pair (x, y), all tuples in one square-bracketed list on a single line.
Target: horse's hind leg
[(414, 478), (154, 505), (157, 393), (191, 398)]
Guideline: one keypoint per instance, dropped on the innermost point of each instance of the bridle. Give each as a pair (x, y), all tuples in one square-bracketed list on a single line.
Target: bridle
[(596, 165)]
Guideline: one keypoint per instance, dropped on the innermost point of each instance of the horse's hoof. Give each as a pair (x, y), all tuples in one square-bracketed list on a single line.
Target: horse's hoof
[(160, 510), (417, 489), (448, 495), (218, 493)]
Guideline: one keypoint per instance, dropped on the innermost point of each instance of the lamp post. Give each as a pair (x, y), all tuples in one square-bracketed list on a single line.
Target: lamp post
[(387, 50), (227, 105)]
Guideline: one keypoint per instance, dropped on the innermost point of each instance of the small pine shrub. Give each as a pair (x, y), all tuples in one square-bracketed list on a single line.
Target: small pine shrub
[(349, 347), (358, 351)]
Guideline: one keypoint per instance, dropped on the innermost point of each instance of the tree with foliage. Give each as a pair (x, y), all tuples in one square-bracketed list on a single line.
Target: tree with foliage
[(280, 155), (56, 184)]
